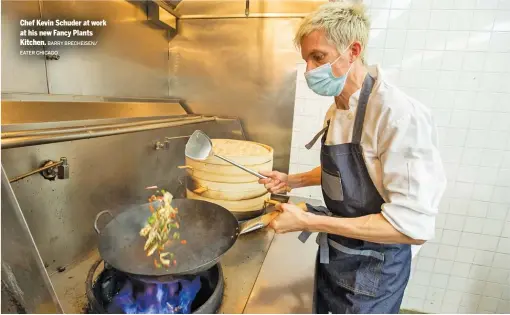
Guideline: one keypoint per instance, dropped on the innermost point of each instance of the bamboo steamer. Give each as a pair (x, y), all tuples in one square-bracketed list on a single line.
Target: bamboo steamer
[(224, 173), (219, 182), (256, 156), (226, 191), (235, 206)]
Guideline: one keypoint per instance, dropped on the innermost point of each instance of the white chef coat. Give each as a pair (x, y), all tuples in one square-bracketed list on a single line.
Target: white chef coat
[(400, 148)]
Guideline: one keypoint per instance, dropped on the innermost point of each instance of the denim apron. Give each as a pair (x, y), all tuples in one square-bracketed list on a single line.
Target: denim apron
[(351, 275)]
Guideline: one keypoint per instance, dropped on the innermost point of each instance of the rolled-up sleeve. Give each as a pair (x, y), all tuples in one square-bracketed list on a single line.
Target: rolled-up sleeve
[(413, 174)]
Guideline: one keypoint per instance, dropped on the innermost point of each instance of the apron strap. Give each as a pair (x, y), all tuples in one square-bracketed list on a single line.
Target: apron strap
[(310, 144), (322, 238), (366, 89)]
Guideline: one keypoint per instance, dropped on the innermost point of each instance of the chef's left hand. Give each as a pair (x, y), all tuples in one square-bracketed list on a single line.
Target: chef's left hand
[(291, 219)]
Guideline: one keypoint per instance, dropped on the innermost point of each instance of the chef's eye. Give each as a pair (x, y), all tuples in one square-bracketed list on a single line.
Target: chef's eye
[(318, 57)]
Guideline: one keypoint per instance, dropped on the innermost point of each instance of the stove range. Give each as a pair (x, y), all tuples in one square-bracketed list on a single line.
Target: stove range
[(111, 291)]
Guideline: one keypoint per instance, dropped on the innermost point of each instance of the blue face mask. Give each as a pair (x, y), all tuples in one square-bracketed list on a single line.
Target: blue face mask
[(322, 81)]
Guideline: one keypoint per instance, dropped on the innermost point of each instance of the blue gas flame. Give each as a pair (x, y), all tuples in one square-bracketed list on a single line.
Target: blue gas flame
[(156, 298)]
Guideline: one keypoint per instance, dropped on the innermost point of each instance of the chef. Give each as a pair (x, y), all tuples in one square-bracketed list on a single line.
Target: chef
[(381, 174)]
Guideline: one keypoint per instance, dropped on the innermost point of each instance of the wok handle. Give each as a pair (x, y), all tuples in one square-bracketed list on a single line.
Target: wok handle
[(301, 205), (268, 217), (97, 218)]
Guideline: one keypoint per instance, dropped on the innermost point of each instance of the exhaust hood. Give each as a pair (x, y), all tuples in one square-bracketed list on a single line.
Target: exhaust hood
[(173, 3), (196, 9)]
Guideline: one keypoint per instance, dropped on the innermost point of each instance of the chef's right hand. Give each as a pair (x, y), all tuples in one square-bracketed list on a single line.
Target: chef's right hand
[(276, 182)]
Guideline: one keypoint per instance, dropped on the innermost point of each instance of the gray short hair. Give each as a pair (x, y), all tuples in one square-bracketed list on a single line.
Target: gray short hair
[(342, 22)]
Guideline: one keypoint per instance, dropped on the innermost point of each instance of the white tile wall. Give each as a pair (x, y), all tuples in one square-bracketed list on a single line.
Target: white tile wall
[(454, 56)]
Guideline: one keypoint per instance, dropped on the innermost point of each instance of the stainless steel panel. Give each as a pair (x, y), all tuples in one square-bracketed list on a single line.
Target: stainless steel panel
[(105, 173), (242, 68), (59, 125), (172, 3), (70, 284), (52, 136), (130, 60), (94, 125), (20, 73), (285, 282), (37, 112), (26, 287), (38, 97)]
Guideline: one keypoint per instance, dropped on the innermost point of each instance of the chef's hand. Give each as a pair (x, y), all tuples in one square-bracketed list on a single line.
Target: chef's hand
[(275, 182), (291, 219)]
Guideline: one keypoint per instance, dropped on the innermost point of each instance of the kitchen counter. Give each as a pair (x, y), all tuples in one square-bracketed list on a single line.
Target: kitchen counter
[(285, 281), (263, 272)]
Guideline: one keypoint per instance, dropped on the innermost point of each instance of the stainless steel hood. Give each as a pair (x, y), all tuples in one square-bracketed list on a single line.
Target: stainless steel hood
[(172, 3), (199, 9)]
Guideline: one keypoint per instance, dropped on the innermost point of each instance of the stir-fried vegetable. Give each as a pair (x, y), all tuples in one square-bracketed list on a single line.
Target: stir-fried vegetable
[(160, 224)]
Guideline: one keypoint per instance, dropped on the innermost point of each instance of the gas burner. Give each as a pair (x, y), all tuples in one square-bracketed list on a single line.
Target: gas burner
[(115, 292)]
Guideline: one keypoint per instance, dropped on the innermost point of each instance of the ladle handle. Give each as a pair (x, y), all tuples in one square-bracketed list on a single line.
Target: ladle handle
[(241, 167)]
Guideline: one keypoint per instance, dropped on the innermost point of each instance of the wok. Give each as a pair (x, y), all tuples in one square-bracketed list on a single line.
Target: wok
[(209, 230)]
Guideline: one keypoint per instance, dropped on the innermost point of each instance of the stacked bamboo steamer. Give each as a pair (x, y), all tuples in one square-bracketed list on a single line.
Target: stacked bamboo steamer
[(219, 182)]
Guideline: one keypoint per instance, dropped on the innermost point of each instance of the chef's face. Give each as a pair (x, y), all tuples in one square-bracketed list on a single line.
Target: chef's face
[(316, 50)]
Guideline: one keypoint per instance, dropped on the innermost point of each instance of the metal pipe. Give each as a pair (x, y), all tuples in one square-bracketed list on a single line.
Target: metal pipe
[(37, 132), (88, 134), (40, 169), (243, 16)]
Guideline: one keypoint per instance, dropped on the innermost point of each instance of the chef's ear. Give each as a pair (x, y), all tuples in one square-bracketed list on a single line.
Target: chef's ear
[(356, 50)]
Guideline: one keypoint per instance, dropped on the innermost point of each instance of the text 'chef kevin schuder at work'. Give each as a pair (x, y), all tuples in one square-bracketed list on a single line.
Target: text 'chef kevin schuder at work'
[(381, 173), (37, 22)]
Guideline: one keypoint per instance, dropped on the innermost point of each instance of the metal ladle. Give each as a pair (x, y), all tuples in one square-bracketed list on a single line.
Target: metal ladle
[(199, 147)]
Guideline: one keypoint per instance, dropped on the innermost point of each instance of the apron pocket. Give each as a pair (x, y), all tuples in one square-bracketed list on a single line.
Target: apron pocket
[(332, 186), (358, 271)]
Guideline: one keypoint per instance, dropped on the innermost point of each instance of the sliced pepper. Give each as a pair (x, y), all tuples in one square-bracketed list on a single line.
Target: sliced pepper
[(164, 261)]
